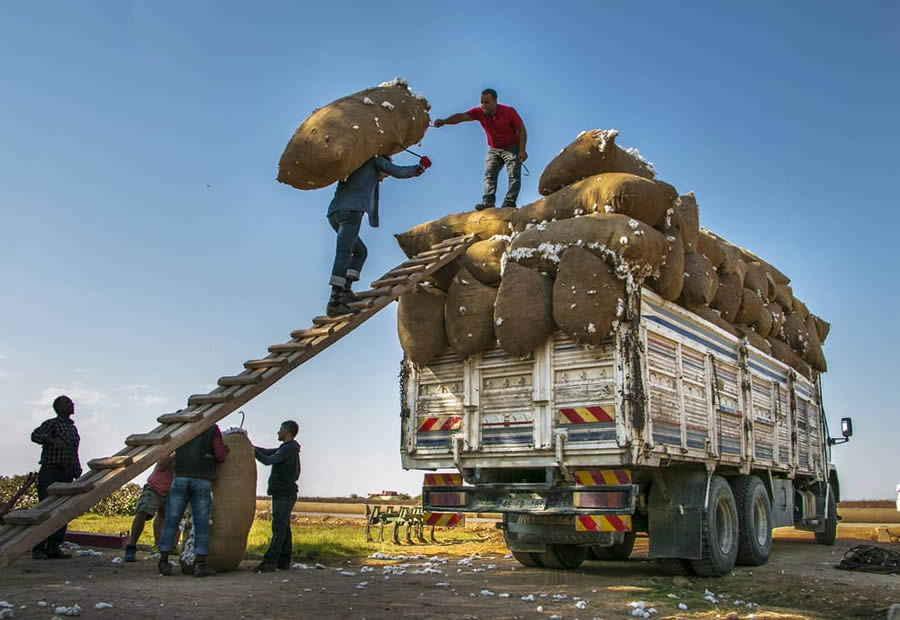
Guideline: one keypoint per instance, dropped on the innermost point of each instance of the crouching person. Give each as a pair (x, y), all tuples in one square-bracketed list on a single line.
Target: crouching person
[(194, 471), (285, 462), (152, 503)]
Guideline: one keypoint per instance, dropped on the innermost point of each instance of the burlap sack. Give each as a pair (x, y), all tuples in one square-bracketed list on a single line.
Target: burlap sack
[(750, 257), (635, 246), (732, 263), (612, 192), (796, 334), (469, 315), (482, 260), (337, 139), (771, 288), (420, 324), (523, 314), (485, 224), (234, 503), (784, 295), (670, 280), (754, 339), (710, 247), (442, 278), (783, 353), (587, 297), (823, 327), (592, 152), (716, 319), (700, 281), (729, 295), (814, 354), (755, 280), (686, 205), (800, 309), (778, 316), (751, 306), (766, 320)]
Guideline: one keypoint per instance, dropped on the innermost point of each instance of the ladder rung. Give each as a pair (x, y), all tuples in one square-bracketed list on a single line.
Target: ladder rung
[(240, 380), (427, 260), (70, 488), (179, 416), (288, 347), (389, 281), (446, 243), (297, 334), (329, 320), (434, 254), (375, 292), (147, 439), (360, 305), (209, 399), (268, 362), (27, 516), (110, 462), (404, 271)]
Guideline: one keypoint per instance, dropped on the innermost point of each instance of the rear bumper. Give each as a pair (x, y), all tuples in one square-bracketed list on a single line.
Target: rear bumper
[(530, 499)]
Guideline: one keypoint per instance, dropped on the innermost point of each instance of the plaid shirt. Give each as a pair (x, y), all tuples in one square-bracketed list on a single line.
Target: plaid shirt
[(67, 455)]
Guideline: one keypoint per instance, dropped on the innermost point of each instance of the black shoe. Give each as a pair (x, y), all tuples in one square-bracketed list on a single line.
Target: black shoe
[(348, 296), (336, 307), (165, 568), (37, 554), (186, 569), (202, 570), (481, 206), (264, 567), (505, 205), (58, 555), (284, 565)]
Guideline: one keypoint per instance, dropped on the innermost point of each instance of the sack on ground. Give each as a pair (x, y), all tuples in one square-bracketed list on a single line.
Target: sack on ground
[(523, 313), (587, 297), (700, 281), (485, 224), (592, 152), (469, 315), (337, 139), (420, 324), (234, 503), (482, 259)]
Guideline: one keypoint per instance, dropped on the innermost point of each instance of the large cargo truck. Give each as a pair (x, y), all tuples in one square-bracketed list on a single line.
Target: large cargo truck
[(673, 427)]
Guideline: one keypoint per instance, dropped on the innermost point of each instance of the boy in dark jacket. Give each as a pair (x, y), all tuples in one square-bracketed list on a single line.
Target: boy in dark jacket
[(285, 462)]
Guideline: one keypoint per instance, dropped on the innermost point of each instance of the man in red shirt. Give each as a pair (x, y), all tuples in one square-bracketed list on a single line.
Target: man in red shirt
[(506, 137)]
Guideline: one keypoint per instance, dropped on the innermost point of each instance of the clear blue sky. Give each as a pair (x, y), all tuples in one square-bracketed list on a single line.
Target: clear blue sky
[(147, 248)]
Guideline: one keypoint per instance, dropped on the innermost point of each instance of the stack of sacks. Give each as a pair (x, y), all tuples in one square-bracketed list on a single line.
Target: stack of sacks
[(568, 261)]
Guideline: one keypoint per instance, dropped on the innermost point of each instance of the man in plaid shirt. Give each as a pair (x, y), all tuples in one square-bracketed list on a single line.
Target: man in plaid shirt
[(59, 441)]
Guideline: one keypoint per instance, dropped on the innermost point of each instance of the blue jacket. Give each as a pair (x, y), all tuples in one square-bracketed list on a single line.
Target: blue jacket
[(359, 191)]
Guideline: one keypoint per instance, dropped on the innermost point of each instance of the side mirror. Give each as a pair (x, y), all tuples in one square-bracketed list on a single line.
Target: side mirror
[(846, 427)]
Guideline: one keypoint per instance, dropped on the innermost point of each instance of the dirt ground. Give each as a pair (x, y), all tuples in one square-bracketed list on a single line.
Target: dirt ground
[(445, 581)]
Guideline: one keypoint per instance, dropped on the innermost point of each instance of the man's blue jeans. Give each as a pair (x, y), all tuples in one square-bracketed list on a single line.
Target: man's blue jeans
[(496, 159), (199, 493), (350, 254)]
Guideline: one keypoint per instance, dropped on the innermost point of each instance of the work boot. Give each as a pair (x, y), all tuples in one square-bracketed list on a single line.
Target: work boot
[(264, 567), (186, 569), (481, 206), (201, 569), (347, 295), (336, 305), (130, 551), (58, 555), (165, 569)]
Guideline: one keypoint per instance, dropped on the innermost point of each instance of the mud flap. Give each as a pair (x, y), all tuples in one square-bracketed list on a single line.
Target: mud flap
[(676, 504)]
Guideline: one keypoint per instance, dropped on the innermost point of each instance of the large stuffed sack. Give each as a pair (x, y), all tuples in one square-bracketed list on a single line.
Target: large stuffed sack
[(482, 259), (800, 309), (729, 295), (337, 139), (234, 502), (822, 327), (592, 152), (420, 324), (751, 307), (670, 279), (469, 315), (783, 353), (814, 353), (612, 192), (587, 297), (766, 320), (754, 338), (755, 279), (732, 263), (523, 313), (778, 316), (709, 246), (796, 334), (631, 244), (716, 319), (784, 295), (485, 224), (442, 278), (686, 205), (700, 281)]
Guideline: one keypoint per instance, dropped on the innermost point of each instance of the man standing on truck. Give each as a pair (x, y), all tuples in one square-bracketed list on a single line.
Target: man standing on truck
[(285, 462), (355, 195), (506, 138)]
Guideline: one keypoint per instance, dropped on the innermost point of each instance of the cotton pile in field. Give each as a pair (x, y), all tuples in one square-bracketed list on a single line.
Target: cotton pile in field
[(569, 260), (338, 138)]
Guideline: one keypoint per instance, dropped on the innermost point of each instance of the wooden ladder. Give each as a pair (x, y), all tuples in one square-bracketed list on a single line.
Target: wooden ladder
[(22, 529)]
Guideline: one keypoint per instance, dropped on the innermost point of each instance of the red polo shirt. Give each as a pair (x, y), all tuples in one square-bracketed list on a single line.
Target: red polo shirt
[(503, 129)]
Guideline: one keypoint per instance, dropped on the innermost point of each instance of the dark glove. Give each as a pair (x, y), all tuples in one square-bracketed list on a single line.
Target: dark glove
[(419, 171), (425, 163)]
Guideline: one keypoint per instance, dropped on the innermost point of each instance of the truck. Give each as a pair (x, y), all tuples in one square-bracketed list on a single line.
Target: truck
[(672, 427)]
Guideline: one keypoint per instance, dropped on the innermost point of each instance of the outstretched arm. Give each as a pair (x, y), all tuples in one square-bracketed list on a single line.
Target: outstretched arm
[(276, 456), (453, 119), (398, 172)]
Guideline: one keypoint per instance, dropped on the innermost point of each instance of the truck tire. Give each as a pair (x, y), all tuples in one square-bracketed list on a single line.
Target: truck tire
[(531, 560), (619, 551), (830, 534), (565, 557), (754, 510), (719, 532), (676, 567)]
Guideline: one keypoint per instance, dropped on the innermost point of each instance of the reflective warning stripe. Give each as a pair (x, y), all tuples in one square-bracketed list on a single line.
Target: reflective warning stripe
[(440, 423), (603, 523), (445, 519), (443, 480), (586, 415), (595, 477)]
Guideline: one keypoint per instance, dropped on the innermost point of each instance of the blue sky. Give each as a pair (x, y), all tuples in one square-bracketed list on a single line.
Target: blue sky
[(147, 248)]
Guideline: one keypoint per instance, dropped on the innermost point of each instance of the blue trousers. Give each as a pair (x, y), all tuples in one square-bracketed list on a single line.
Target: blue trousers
[(350, 253), (279, 551), (199, 493)]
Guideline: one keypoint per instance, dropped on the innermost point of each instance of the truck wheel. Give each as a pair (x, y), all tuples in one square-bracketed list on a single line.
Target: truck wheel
[(565, 557), (676, 567), (531, 560), (830, 534), (754, 512), (619, 551), (719, 532)]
